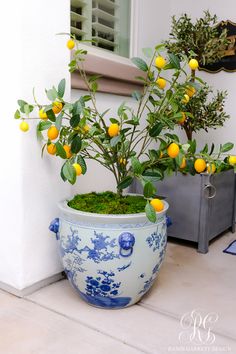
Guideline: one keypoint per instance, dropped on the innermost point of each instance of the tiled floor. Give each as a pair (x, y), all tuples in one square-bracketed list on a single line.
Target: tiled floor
[(55, 321)]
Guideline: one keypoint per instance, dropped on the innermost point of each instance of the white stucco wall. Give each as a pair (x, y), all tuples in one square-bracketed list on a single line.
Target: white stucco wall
[(32, 56)]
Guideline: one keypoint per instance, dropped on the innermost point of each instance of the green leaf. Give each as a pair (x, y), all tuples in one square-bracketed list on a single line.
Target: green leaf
[(193, 146), (227, 147), (60, 150), (205, 149), (69, 172), (132, 122), (94, 86), (51, 115), (44, 125), (126, 182), (52, 94), (27, 109), (174, 60), (115, 140), (149, 190), (71, 137), (154, 173), (212, 149), (121, 109), (113, 120), (59, 120), (82, 163), (22, 104), (85, 98), (76, 145), (150, 212), (169, 66), (47, 108), (94, 78), (17, 114), (74, 121), (136, 95), (155, 130), (61, 88), (179, 159), (173, 137), (137, 167), (62, 174), (140, 63), (160, 47), (77, 107)]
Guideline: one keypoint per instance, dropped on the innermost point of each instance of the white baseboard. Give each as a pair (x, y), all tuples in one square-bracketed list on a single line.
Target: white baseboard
[(32, 288)]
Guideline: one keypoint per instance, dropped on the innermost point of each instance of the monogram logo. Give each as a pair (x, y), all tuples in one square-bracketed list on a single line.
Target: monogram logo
[(197, 328)]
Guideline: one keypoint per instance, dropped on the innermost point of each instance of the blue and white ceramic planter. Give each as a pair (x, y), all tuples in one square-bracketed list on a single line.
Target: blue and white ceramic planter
[(111, 260)]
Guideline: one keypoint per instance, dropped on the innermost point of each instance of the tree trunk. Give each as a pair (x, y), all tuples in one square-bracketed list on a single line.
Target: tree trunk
[(189, 133)]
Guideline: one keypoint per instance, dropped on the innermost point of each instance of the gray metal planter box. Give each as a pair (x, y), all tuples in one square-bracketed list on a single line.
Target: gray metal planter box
[(201, 206)]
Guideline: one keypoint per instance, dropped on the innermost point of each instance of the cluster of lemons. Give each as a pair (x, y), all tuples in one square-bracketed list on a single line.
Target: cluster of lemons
[(160, 63)]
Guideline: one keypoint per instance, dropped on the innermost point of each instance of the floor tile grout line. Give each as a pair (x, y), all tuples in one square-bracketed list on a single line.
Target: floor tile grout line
[(176, 317), (86, 325)]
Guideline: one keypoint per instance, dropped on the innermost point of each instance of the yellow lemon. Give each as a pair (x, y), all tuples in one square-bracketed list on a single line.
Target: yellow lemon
[(186, 99), (42, 114), (122, 161), (70, 44), (160, 62), (24, 126), (113, 130), (51, 149), (68, 151), (200, 165), (173, 150), (157, 204), (57, 107), (211, 168), (190, 91), (232, 160), (183, 119), (86, 128), (183, 163), (161, 83), (78, 169), (53, 132), (193, 64)]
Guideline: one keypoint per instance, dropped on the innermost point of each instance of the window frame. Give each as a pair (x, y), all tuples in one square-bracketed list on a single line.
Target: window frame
[(118, 73)]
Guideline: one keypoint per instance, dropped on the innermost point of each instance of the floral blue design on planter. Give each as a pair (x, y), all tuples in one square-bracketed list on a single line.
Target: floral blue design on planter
[(154, 241), (125, 266), (54, 227), (147, 285), (72, 242), (74, 264), (101, 250), (102, 290), (126, 242)]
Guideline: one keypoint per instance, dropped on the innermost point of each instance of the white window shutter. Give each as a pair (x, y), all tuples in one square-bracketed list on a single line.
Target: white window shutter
[(101, 21)]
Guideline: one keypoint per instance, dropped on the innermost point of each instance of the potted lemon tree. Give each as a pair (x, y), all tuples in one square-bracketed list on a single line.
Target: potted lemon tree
[(204, 184), (112, 244)]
